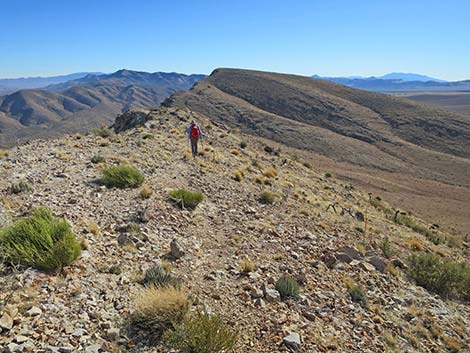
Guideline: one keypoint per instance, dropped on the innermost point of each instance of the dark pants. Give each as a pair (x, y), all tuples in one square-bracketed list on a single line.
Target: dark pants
[(194, 141)]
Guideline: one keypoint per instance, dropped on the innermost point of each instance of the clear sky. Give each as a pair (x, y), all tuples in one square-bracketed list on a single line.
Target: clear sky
[(325, 37)]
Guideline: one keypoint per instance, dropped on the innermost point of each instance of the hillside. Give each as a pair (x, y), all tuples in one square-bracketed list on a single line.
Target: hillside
[(385, 136), (83, 104), (311, 233)]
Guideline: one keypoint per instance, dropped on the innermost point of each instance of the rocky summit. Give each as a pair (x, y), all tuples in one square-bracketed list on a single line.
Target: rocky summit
[(289, 258)]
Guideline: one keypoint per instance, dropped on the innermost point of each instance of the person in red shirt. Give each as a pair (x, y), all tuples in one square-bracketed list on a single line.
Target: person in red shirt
[(194, 133)]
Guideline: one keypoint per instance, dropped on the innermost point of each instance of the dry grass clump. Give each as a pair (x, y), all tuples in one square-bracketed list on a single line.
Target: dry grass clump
[(238, 175), (4, 154), (94, 228), (235, 152), (145, 192), (158, 309), (247, 266), (270, 172), (415, 244)]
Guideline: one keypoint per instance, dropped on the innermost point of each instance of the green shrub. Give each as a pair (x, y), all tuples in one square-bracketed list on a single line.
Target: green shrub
[(386, 247), (432, 236), (102, 132), (328, 175), (243, 144), (19, 188), (122, 176), (157, 276), (41, 241), (357, 294), (444, 277), (287, 287), (186, 199), (97, 159), (266, 197), (201, 333)]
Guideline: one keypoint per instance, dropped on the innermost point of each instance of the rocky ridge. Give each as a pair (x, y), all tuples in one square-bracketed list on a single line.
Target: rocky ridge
[(314, 231)]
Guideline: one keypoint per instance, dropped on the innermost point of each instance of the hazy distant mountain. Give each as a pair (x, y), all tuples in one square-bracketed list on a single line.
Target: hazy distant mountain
[(398, 85), (83, 104), (409, 77), (10, 85)]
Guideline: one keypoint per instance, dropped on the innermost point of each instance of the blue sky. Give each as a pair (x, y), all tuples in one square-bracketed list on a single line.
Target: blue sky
[(330, 38)]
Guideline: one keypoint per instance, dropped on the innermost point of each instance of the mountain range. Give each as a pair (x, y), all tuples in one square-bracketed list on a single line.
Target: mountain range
[(377, 133), (10, 85), (84, 103), (396, 82)]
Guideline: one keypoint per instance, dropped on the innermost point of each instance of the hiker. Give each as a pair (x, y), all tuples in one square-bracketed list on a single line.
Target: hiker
[(194, 134)]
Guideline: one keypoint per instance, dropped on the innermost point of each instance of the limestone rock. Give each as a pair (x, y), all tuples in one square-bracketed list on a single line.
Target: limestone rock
[(175, 250), (292, 341)]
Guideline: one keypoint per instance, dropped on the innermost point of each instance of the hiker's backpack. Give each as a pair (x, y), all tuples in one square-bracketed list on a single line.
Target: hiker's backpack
[(195, 131)]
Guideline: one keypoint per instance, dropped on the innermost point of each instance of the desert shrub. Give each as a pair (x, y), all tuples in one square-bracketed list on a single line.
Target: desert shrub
[(157, 276), (19, 188), (287, 287), (201, 333), (102, 132), (327, 175), (122, 176), (444, 277), (235, 152), (97, 159), (406, 220), (357, 294), (158, 309), (145, 192), (41, 241), (386, 247), (186, 199), (268, 149), (270, 172), (266, 197), (247, 266), (243, 145), (147, 136), (4, 154)]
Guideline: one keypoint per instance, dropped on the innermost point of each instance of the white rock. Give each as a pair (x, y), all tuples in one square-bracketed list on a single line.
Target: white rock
[(292, 341), (34, 311), (6, 322)]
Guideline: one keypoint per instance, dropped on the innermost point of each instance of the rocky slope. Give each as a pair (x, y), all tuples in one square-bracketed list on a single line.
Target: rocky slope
[(313, 231)]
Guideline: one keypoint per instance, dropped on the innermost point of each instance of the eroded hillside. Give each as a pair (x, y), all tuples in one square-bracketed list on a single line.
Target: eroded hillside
[(355, 291)]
